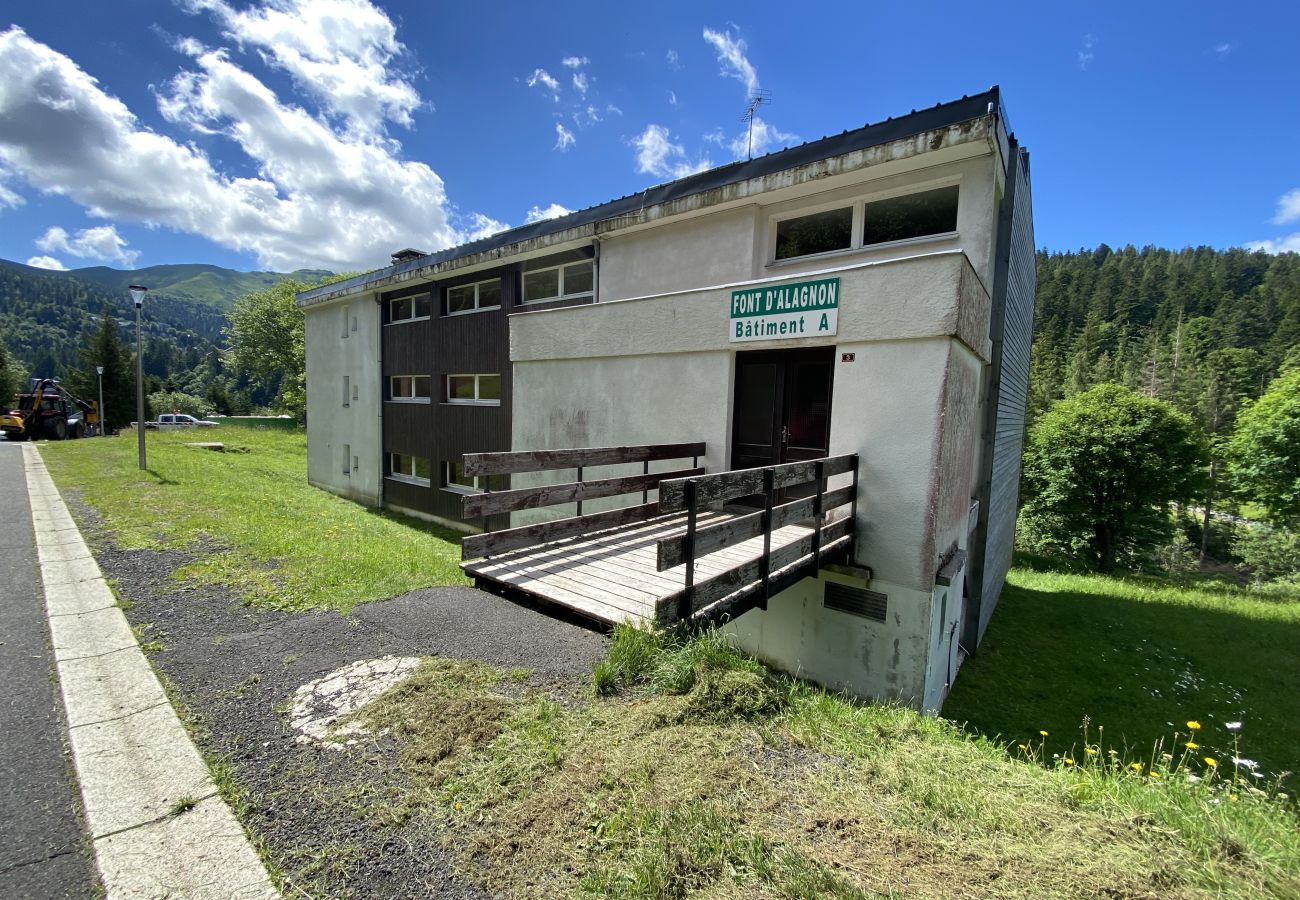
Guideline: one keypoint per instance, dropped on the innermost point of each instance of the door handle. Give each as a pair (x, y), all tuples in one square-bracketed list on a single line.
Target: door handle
[(785, 434)]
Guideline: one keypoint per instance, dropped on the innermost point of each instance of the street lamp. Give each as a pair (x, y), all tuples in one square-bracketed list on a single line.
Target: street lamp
[(99, 372), (137, 295)]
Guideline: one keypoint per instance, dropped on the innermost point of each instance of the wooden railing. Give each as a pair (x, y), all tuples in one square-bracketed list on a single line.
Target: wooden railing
[(510, 463), (773, 570)]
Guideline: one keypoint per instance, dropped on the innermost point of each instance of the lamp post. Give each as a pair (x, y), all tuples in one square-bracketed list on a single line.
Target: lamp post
[(137, 295), (99, 372)]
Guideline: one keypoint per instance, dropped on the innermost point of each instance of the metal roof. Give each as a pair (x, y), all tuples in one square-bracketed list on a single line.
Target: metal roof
[(941, 115)]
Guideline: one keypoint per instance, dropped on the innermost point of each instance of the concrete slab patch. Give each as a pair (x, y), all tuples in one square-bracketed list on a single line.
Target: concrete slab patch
[(78, 597), (199, 855), (318, 705), (132, 770), (99, 688), (48, 552), (89, 634), (63, 571)]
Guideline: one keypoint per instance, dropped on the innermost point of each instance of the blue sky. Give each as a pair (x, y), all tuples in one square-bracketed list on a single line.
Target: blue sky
[(327, 133)]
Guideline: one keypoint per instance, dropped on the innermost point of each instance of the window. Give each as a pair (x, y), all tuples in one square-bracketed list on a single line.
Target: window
[(410, 309), (455, 479), (482, 390), (560, 282), (347, 458), (465, 298), (345, 321), (817, 233), (910, 216), (411, 469), (409, 388), (347, 389), (355, 392)]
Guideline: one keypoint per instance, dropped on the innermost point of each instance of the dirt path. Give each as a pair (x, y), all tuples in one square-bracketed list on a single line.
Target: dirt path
[(236, 670)]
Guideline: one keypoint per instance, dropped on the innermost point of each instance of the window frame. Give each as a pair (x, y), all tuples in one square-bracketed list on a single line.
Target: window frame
[(391, 457), (451, 487), (859, 205), (478, 304), (392, 393), (523, 282), (477, 399), (414, 318)]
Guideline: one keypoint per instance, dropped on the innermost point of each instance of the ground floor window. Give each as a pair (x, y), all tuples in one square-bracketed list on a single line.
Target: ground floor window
[(411, 469), (411, 388), (482, 390), (454, 479)]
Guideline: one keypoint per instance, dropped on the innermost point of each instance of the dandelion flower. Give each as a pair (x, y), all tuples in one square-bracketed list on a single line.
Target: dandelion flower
[(1155, 774), (1232, 726), (1194, 725), (1068, 761), (1211, 762), (1135, 766), (1022, 746), (1090, 751), (1043, 733), (1192, 745)]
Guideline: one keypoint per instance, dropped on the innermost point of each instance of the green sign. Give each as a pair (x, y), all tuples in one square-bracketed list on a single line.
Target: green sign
[(785, 311)]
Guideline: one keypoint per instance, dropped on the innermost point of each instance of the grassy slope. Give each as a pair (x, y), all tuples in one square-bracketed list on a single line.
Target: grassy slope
[(1141, 658), (260, 525), (698, 774)]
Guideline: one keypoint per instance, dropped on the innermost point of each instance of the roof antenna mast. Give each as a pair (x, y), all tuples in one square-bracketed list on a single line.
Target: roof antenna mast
[(759, 98)]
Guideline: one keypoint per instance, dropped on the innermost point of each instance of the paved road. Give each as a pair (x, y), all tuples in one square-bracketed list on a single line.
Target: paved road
[(42, 844)]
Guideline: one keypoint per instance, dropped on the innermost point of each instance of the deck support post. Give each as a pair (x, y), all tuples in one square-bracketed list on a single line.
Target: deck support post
[(688, 592), (765, 563), (645, 470), (579, 496), (820, 478), (853, 514)]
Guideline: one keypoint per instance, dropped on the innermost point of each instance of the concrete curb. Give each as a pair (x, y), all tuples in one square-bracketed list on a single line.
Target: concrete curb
[(133, 759)]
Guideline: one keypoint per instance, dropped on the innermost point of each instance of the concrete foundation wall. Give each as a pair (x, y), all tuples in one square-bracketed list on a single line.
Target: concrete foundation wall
[(330, 425)]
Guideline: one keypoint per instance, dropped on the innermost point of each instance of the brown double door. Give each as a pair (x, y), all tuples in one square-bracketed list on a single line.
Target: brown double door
[(782, 406)]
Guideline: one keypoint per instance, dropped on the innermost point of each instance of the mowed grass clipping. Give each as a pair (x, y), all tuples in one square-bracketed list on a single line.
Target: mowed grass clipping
[(252, 518), (1138, 658), (691, 771)]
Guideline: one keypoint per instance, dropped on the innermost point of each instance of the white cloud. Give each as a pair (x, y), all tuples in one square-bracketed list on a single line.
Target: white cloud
[(101, 243), (1223, 50), (1085, 53), (8, 196), (482, 226), (564, 138), (322, 197), (765, 135), (1288, 244), (580, 83), (344, 53), (731, 53), (47, 262), (575, 62), (672, 98), (546, 80), (1288, 208), (674, 61), (659, 156), (538, 213)]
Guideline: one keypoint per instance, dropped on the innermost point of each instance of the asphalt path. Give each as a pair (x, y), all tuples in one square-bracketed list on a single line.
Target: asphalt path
[(43, 847)]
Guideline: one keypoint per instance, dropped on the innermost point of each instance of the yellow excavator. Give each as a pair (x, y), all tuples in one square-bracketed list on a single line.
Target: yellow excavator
[(48, 410)]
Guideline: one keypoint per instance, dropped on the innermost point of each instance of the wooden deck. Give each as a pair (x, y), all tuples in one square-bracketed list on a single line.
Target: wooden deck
[(613, 576)]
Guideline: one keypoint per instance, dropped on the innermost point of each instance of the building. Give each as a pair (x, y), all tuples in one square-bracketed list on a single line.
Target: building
[(870, 292)]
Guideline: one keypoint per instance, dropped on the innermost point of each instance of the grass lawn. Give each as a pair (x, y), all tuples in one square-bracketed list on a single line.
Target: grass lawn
[(690, 771), (255, 521), (1139, 657)]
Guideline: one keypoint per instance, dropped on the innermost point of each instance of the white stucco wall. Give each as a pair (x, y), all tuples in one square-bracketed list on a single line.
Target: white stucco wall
[(331, 425)]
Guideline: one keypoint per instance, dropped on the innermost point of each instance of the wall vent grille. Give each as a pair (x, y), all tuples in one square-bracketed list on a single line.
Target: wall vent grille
[(855, 600)]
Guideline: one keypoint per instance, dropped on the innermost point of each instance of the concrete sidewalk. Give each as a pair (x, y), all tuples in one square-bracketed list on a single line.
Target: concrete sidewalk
[(158, 827)]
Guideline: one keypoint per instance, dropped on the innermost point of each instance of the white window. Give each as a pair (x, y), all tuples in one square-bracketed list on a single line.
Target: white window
[(410, 309), (409, 388), (411, 469), (480, 390), (347, 458), (866, 223), (454, 479), (347, 389), (345, 321), (467, 298), (559, 282)]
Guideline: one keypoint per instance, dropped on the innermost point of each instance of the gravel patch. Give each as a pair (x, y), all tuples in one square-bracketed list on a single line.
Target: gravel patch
[(236, 670)]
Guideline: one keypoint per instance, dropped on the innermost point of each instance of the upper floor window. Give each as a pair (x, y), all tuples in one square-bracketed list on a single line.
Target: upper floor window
[(481, 390), (861, 224), (410, 309), (910, 216), (409, 388), (464, 298), (560, 282)]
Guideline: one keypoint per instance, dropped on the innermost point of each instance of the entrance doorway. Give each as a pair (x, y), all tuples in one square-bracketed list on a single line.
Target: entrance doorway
[(782, 406)]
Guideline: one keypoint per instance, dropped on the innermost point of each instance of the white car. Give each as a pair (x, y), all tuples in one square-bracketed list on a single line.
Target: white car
[(171, 421)]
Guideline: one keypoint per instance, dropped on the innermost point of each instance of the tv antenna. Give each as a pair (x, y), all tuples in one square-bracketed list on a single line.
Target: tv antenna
[(759, 98)]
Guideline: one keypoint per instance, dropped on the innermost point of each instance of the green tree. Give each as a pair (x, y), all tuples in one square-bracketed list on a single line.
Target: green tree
[(105, 348), (10, 378), (1100, 471), (1264, 452)]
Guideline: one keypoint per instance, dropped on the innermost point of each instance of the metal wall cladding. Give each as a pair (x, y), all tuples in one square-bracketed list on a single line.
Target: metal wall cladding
[(1012, 335)]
